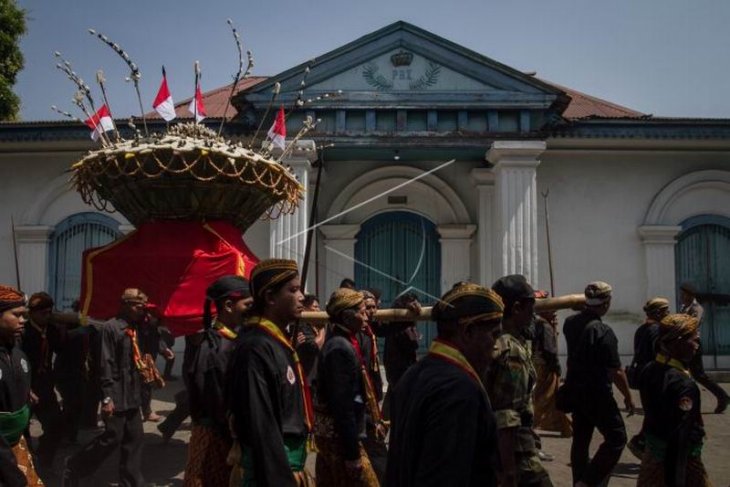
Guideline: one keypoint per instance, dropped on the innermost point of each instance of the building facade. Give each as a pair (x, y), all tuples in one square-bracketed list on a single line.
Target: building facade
[(433, 164)]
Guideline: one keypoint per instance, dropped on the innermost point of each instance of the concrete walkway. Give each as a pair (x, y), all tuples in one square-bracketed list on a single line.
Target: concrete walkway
[(164, 464)]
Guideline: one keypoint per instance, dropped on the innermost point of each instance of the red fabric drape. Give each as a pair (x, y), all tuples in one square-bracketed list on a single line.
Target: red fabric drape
[(173, 262)]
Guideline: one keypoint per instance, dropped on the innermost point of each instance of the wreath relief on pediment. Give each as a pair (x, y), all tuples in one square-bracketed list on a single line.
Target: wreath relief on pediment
[(402, 75)]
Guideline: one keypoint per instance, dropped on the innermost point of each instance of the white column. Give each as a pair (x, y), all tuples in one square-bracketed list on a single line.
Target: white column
[(288, 237), (455, 252), (659, 242), (339, 255), (484, 180), (33, 257), (515, 169)]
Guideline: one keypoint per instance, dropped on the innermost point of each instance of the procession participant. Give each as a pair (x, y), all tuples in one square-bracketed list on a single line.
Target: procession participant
[(308, 339), (151, 342), (673, 425), (75, 371), (443, 431), (644, 352), (510, 380), (547, 366), (690, 306), (121, 382), (16, 464), (344, 393), (269, 396), (593, 365), (374, 442), (41, 340), (205, 361), (401, 345)]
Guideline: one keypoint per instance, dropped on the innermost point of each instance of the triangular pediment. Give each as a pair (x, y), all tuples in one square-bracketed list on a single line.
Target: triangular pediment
[(403, 65)]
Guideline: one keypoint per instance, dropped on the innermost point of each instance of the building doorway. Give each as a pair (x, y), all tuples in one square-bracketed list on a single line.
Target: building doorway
[(703, 258), (69, 240), (399, 252)]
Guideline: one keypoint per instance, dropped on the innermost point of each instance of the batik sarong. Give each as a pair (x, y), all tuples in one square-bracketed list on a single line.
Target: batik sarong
[(207, 454)]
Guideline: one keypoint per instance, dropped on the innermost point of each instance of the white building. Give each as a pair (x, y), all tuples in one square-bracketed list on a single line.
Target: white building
[(440, 161)]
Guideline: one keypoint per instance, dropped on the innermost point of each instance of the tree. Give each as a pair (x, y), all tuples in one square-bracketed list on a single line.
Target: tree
[(12, 26)]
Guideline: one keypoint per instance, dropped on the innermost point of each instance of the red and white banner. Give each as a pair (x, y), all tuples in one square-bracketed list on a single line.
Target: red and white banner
[(100, 122), (199, 112), (163, 103), (277, 132)]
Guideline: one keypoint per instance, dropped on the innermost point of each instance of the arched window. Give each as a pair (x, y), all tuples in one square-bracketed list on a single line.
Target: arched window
[(703, 258), (69, 240)]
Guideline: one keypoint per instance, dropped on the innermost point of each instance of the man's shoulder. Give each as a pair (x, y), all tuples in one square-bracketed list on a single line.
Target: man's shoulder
[(509, 346)]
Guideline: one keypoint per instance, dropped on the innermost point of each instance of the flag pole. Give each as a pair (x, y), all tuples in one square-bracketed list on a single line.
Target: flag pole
[(101, 80), (164, 77), (196, 67), (549, 246), (15, 252), (274, 94)]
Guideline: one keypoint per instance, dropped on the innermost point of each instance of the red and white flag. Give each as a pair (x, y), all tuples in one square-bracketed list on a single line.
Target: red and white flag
[(163, 101), (100, 122), (197, 99), (277, 132)]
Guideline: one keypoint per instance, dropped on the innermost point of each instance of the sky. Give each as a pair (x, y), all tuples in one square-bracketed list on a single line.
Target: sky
[(664, 57)]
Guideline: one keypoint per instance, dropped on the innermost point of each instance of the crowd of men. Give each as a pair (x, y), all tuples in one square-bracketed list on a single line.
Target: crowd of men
[(264, 389)]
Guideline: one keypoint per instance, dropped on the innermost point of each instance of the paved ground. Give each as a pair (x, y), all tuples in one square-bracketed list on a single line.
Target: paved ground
[(164, 463)]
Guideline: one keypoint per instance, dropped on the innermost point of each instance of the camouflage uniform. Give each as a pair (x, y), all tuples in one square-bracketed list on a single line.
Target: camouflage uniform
[(510, 381)]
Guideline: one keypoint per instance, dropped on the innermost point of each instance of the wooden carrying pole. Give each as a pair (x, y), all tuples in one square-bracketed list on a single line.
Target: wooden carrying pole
[(570, 301)]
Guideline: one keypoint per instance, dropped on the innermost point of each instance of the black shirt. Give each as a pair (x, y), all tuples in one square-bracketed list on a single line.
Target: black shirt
[(40, 355), (340, 391), (443, 432), (15, 379), (592, 352), (645, 343), (671, 401), (205, 362), (120, 378), (267, 404)]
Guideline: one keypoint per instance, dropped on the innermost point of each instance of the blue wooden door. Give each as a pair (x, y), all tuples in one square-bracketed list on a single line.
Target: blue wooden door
[(703, 258), (399, 252), (69, 240)]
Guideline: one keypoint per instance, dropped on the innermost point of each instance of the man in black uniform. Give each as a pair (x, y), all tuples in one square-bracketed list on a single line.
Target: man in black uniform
[(41, 340), (690, 306), (205, 363), (593, 366), (673, 425), (270, 400), (443, 431), (16, 465), (121, 382)]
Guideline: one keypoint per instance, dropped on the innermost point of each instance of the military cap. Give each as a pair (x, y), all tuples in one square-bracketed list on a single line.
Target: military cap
[(513, 288), (597, 293)]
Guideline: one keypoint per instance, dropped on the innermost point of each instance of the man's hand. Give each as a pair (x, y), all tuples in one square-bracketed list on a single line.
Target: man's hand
[(301, 338), (168, 354), (107, 409), (414, 307), (353, 468), (33, 398), (381, 431)]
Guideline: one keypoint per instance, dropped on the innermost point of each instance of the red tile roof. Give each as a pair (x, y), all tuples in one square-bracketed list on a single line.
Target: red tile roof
[(587, 106), (214, 100)]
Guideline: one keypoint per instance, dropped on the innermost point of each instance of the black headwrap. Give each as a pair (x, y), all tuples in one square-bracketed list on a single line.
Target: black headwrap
[(226, 287)]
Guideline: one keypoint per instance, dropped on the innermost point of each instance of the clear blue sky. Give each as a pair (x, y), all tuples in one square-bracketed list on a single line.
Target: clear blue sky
[(666, 57)]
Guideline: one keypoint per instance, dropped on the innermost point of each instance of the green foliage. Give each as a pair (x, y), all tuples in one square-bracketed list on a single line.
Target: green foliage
[(12, 26)]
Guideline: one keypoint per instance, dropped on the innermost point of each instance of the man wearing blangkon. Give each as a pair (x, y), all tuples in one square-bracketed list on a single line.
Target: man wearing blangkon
[(593, 366)]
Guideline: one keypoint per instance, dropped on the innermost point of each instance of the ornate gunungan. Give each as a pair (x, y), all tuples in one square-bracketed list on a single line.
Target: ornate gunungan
[(187, 173)]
